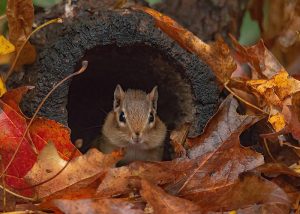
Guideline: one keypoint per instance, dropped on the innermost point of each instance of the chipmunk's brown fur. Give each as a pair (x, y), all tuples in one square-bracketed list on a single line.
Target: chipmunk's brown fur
[(133, 124)]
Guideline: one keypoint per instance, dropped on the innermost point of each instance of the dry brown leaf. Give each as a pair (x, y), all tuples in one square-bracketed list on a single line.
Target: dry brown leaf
[(219, 157), (217, 55), (163, 203), (276, 169), (292, 116), (119, 181), (95, 206), (49, 163), (250, 190), (20, 15), (259, 58)]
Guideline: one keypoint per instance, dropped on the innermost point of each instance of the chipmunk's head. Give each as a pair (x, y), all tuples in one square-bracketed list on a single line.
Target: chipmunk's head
[(135, 112)]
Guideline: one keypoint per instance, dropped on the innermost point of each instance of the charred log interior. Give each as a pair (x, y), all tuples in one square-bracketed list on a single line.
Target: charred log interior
[(122, 47), (138, 67)]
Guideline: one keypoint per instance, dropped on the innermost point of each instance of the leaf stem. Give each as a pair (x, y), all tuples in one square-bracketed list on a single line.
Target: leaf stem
[(57, 20)]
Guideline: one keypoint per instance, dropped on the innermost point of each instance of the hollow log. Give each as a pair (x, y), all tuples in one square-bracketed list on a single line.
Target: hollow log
[(122, 47)]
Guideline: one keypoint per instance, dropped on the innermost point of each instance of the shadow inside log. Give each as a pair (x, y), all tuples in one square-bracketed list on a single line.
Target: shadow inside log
[(90, 95)]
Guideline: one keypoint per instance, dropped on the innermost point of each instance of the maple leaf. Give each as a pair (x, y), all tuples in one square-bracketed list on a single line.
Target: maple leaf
[(13, 125), (217, 55), (20, 15), (49, 163), (262, 62)]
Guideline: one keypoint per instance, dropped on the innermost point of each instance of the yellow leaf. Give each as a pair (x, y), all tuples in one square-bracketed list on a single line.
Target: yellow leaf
[(277, 89), (2, 87), (5, 46), (277, 121)]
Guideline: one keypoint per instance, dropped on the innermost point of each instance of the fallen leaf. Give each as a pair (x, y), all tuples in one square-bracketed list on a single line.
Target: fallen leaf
[(12, 127), (276, 89), (118, 180), (95, 206), (2, 87), (5, 46), (49, 163), (217, 55), (164, 203), (259, 58), (277, 121), (292, 116), (43, 131), (20, 15), (14, 97), (218, 155), (276, 169), (250, 190)]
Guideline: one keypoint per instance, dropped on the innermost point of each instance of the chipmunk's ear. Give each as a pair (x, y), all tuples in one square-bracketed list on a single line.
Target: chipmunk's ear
[(118, 96), (153, 96)]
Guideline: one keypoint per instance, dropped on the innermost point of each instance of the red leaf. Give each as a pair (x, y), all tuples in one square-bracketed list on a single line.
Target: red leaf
[(13, 124), (43, 131), (12, 127)]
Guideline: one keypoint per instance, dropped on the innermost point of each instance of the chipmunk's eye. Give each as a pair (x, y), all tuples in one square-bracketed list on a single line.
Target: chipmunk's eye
[(151, 118), (122, 117)]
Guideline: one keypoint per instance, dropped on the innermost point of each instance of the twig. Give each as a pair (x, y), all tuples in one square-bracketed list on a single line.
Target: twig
[(82, 69), (268, 150), (4, 188), (58, 20)]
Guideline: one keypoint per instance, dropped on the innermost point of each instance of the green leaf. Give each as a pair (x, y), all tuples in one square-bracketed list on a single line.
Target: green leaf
[(46, 3), (249, 31), (153, 1), (2, 7)]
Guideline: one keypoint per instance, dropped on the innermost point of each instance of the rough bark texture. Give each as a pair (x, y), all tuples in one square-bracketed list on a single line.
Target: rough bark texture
[(206, 18), (122, 47)]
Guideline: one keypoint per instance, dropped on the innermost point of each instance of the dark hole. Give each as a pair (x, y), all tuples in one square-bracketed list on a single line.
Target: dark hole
[(137, 67)]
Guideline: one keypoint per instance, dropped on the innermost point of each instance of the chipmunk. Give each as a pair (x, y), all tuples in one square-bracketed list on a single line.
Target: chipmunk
[(133, 124)]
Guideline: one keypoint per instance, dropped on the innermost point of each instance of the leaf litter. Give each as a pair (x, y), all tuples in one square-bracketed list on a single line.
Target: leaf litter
[(212, 172)]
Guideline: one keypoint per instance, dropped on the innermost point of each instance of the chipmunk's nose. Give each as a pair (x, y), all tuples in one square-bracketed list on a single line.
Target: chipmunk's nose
[(136, 137)]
